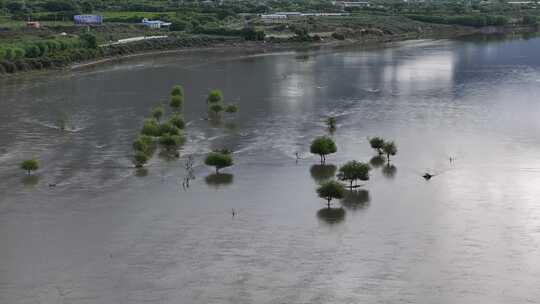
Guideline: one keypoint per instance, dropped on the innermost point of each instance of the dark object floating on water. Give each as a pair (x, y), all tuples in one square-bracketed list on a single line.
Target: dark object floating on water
[(52, 185), (233, 212), (427, 176)]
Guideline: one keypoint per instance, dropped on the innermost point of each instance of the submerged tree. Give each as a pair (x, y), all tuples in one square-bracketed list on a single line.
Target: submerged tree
[(178, 121), (354, 171), (170, 141), (331, 123), (140, 158), (219, 160), (143, 143), (377, 143), (215, 108), (231, 108), (168, 128), (30, 165), (331, 190), (177, 90), (389, 148), (215, 96), (158, 112), (323, 146), (176, 102), (63, 121), (150, 127)]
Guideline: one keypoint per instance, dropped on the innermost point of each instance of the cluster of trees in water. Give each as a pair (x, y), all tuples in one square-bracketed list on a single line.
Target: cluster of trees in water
[(166, 130), (343, 184), (169, 134)]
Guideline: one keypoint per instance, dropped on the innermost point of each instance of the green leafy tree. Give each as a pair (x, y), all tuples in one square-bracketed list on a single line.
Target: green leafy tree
[(177, 90), (178, 121), (140, 158), (389, 148), (144, 144), (249, 33), (158, 112), (331, 190), (89, 40), (377, 143), (60, 5), (323, 146), (170, 141), (353, 171), (150, 127), (215, 96), (30, 165), (176, 102), (231, 108), (216, 108), (87, 7), (168, 128), (219, 160)]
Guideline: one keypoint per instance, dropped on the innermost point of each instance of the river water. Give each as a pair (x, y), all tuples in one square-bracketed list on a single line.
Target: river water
[(110, 234)]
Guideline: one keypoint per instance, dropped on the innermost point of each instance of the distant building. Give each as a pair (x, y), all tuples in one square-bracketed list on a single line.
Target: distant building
[(352, 3), (273, 18), (521, 2), (156, 24), (289, 14), (88, 19), (325, 14), (33, 24)]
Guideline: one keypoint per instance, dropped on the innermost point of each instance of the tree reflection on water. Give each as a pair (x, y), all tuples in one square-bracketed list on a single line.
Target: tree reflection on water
[(331, 215), (218, 180), (321, 173), (356, 199)]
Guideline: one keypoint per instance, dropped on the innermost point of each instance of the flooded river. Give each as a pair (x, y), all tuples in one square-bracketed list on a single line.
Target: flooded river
[(110, 234)]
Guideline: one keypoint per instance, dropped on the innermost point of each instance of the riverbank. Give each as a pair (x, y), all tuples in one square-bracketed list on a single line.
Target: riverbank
[(258, 47), (176, 45)]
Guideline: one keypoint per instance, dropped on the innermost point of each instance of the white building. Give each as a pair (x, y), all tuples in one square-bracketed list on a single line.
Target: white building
[(273, 18), (155, 24), (352, 3)]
